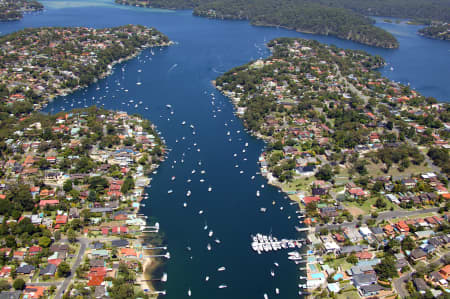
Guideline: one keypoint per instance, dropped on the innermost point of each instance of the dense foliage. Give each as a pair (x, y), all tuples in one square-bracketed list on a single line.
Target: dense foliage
[(303, 16), (437, 31), (13, 9)]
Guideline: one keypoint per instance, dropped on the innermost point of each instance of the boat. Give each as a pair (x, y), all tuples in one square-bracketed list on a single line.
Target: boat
[(183, 123), (184, 204), (221, 269), (170, 191), (209, 189), (173, 178), (263, 210), (188, 193), (200, 212), (210, 234), (206, 226), (217, 241), (258, 193), (189, 293), (169, 106), (208, 246), (276, 264), (266, 296), (272, 273), (206, 278), (222, 286)]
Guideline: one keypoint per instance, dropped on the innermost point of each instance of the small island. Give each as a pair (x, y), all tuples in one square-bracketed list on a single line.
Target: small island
[(436, 31), (366, 159), (37, 65), (12, 10)]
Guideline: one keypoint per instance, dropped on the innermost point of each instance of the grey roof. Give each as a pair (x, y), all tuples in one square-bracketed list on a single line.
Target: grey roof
[(101, 210), (371, 288), (10, 295), (377, 230), (25, 269), (401, 263), (353, 248), (364, 279), (49, 270), (418, 253), (420, 284), (119, 243)]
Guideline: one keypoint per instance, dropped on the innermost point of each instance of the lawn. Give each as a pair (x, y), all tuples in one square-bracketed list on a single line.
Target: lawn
[(376, 169), (302, 183), (335, 263), (348, 295), (368, 206)]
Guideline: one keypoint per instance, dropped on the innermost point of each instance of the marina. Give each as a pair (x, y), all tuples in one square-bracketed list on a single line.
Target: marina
[(263, 243)]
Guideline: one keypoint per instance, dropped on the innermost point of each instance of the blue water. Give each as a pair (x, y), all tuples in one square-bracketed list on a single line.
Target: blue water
[(181, 76)]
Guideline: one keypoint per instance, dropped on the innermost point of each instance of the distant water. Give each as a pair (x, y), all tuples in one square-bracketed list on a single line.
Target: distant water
[(181, 76)]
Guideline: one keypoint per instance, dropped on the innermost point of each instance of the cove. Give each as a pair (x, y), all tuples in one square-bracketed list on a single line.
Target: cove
[(181, 76)]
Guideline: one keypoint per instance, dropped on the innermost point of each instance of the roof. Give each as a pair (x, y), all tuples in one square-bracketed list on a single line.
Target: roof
[(418, 253), (10, 295)]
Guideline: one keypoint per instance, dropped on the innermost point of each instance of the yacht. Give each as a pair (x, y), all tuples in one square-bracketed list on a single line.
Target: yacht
[(189, 293), (206, 278), (221, 269), (208, 247), (209, 189), (222, 286), (200, 212), (184, 204), (210, 234), (272, 273), (188, 193), (258, 193), (169, 106), (173, 178), (217, 241), (170, 191), (277, 291), (265, 296)]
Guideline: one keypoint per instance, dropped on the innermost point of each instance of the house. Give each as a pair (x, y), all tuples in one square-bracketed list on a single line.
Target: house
[(25, 269), (5, 272), (96, 280), (50, 270), (309, 199), (402, 227), (361, 280), (420, 285), (401, 263), (352, 234), (119, 243), (34, 250), (328, 212), (34, 292), (128, 253), (10, 295), (445, 272), (356, 193), (418, 255), (370, 290)]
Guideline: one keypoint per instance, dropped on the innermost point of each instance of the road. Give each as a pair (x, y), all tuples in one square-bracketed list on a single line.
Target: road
[(83, 245), (399, 284), (381, 216)]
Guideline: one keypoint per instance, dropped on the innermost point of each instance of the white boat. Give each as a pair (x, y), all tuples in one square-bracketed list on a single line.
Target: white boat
[(169, 106), (173, 178), (265, 296), (208, 246), (221, 269), (183, 123), (258, 193), (188, 193), (217, 241), (277, 291), (276, 264), (246, 144), (200, 212), (138, 83), (209, 189), (189, 293), (184, 204), (263, 210), (210, 234), (272, 273), (170, 191), (206, 278), (222, 286)]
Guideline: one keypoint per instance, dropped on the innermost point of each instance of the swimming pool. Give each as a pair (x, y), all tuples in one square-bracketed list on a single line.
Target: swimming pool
[(311, 259), (317, 276), (338, 276)]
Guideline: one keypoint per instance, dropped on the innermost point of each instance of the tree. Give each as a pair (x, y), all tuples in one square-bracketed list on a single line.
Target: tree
[(19, 284), (352, 259), (71, 236), (63, 269), (128, 184), (386, 269), (408, 243), (67, 185), (4, 285), (325, 173), (44, 242), (380, 203)]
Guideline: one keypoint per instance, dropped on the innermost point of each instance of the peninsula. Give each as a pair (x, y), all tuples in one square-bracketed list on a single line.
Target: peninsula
[(37, 65), (437, 31), (303, 16), (12, 10), (367, 160)]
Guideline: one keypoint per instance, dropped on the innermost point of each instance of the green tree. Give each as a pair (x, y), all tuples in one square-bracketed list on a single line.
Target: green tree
[(44, 242), (19, 284), (71, 236), (63, 269)]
